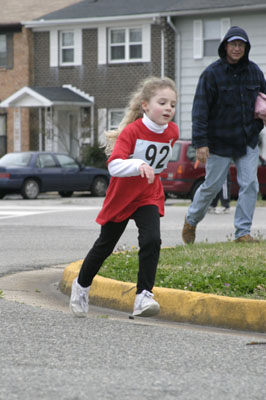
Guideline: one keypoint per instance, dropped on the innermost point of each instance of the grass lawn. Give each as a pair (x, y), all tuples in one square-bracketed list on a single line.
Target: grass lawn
[(226, 269)]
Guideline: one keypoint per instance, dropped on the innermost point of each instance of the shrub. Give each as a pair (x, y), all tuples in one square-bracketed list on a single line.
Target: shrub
[(94, 156)]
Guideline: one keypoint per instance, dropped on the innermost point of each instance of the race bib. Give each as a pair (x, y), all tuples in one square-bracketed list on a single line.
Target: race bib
[(154, 154)]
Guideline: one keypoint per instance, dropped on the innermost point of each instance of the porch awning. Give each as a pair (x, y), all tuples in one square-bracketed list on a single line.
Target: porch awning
[(67, 95)]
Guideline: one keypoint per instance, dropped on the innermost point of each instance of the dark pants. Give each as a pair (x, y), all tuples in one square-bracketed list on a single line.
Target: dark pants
[(147, 220), (224, 195)]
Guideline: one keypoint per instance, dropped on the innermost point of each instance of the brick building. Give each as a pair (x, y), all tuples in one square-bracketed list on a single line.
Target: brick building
[(16, 63), (91, 69), (102, 52)]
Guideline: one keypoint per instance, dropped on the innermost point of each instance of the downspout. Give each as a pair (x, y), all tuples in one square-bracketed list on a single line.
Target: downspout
[(178, 67), (162, 54)]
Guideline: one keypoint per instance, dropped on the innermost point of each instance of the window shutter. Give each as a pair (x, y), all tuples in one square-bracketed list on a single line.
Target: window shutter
[(197, 39), (146, 43), (78, 47), (102, 123), (102, 45), (53, 48), (225, 25)]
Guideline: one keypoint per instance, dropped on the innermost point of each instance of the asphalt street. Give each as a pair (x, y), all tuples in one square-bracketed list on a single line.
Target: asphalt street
[(52, 231), (48, 354)]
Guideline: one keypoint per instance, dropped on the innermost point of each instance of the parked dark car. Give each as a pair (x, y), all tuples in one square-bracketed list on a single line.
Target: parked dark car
[(182, 179), (30, 173)]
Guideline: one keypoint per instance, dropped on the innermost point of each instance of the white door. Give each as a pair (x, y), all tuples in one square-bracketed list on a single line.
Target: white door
[(68, 132)]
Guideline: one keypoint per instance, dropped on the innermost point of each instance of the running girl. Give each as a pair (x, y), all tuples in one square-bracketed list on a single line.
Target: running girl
[(140, 149)]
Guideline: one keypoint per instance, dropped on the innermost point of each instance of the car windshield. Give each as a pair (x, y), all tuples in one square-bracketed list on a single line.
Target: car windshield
[(15, 160)]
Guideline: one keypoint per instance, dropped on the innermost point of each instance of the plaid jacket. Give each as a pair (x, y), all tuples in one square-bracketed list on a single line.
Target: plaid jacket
[(223, 107)]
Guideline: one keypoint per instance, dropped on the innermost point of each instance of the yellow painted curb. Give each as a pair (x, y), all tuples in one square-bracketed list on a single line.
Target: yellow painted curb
[(176, 305)]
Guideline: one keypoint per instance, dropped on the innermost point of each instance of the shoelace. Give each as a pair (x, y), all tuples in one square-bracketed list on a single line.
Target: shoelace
[(148, 294), (83, 300)]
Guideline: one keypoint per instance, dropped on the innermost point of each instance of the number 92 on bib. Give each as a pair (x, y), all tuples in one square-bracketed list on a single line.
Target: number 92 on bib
[(155, 154)]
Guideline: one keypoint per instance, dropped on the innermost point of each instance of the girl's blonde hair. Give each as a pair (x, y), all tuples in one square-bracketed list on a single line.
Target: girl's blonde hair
[(145, 91)]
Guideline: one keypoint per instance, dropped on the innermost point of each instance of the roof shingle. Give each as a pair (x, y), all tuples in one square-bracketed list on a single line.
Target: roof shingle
[(17, 11), (112, 8)]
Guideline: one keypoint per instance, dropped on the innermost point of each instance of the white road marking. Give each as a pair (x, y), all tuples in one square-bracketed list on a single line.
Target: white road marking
[(15, 211)]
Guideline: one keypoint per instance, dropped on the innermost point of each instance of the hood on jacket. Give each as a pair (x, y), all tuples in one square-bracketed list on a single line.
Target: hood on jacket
[(234, 31)]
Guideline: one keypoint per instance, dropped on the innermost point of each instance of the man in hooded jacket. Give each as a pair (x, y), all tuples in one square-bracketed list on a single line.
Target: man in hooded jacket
[(224, 128)]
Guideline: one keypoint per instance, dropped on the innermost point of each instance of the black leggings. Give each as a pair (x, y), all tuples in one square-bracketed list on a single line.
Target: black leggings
[(147, 220)]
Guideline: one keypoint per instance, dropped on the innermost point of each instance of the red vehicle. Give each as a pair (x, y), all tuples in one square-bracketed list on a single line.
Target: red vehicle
[(182, 179)]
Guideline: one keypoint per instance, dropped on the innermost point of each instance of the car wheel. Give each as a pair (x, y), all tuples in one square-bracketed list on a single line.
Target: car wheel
[(30, 189), (65, 194), (195, 188), (99, 187), (2, 194)]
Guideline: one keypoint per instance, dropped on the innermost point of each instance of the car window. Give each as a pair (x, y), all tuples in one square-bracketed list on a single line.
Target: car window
[(191, 153), (15, 159), (176, 152), (66, 161), (46, 161)]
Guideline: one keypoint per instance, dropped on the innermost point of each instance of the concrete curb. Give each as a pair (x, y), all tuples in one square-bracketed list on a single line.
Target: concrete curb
[(176, 305)]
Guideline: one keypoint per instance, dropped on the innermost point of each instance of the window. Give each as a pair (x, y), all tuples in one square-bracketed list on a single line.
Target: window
[(207, 35), (65, 47), (6, 50), (114, 118), (191, 153), (176, 152), (16, 160), (3, 50), (46, 161), (211, 37), (3, 141), (125, 44), (67, 162)]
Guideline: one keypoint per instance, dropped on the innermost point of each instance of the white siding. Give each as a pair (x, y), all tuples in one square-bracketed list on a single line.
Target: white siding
[(255, 26), (191, 68)]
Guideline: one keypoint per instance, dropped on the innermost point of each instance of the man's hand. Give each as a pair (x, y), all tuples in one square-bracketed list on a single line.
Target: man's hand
[(147, 172), (202, 153)]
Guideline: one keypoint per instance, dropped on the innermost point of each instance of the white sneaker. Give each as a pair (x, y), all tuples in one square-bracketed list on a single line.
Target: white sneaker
[(79, 300), (225, 210), (212, 210), (144, 305)]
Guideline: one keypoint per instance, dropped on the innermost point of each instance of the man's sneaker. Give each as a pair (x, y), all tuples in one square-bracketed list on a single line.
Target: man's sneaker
[(188, 233), (225, 210), (79, 300), (246, 239), (212, 210), (144, 305)]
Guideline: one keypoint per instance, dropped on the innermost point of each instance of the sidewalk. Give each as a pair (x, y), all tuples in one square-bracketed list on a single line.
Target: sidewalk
[(176, 305)]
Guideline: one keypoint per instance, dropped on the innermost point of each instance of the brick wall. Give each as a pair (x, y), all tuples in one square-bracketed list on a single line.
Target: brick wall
[(109, 84), (14, 79)]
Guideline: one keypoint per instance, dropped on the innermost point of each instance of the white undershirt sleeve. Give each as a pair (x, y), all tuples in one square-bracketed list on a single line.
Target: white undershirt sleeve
[(123, 168)]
